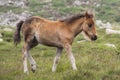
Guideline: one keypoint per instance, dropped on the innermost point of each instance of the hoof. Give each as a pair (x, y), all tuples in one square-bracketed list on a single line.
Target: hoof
[(26, 72), (53, 69), (75, 69), (33, 70)]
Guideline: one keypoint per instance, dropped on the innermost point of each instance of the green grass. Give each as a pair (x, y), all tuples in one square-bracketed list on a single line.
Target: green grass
[(7, 8), (108, 11), (94, 61), (7, 36)]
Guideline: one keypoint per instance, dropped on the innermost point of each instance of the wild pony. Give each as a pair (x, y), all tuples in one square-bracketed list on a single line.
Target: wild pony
[(59, 34)]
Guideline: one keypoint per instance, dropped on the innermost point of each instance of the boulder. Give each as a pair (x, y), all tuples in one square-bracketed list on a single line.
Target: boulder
[(81, 41), (7, 29), (110, 45), (102, 25), (46, 1), (77, 3), (110, 31), (1, 40), (16, 3), (11, 19), (0, 35)]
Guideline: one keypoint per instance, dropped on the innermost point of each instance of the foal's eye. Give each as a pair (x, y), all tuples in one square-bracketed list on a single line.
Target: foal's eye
[(89, 25)]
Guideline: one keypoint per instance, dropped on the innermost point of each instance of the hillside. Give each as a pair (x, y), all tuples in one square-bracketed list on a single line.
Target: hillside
[(105, 10)]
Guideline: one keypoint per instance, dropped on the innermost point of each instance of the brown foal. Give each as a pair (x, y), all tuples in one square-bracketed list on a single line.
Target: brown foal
[(59, 34)]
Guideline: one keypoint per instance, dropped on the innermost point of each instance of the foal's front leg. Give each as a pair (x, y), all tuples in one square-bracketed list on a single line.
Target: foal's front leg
[(32, 62), (68, 49), (25, 56), (56, 59)]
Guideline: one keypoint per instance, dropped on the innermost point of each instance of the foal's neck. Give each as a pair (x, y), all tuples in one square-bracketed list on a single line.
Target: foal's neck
[(76, 27)]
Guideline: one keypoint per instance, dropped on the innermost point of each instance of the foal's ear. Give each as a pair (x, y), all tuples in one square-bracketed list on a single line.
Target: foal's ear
[(88, 14)]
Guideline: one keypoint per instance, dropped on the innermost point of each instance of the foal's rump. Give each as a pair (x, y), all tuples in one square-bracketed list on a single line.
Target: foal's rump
[(44, 31), (26, 27)]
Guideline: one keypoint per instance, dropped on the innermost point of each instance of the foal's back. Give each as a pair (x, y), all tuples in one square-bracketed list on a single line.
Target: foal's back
[(46, 32)]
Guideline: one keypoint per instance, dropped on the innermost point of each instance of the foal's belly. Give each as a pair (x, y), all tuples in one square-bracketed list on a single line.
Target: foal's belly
[(48, 40), (50, 43)]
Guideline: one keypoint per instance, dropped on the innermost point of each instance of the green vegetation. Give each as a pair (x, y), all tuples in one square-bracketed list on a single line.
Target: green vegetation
[(7, 8), (94, 60), (107, 11), (8, 36)]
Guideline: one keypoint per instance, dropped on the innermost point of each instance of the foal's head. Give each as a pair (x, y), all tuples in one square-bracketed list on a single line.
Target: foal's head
[(89, 27)]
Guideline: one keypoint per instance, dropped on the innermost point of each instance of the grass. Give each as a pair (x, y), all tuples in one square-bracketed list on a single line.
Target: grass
[(7, 8), (107, 11), (94, 61)]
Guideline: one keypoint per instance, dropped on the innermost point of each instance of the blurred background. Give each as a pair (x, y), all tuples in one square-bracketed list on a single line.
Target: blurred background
[(13, 10)]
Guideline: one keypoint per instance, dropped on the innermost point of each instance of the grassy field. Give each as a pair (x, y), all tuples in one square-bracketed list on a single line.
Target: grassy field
[(94, 60)]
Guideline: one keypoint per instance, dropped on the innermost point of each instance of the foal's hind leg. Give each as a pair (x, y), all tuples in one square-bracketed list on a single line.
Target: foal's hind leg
[(56, 59), (26, 54), (32, 61)]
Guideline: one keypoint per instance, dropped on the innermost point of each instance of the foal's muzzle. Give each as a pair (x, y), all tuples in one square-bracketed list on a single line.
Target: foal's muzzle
[(94, 37)]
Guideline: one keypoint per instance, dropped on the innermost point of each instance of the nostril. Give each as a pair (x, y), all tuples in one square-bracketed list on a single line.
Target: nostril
[(94, 37)]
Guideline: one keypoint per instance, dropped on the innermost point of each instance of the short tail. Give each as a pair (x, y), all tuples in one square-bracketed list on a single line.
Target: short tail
[(17, 37)]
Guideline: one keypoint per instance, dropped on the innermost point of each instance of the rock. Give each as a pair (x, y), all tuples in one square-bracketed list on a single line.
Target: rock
[(77, 3), (20, 4), (108, 25), (16, 3), (7, 29), (98, 22), (47, 1), (25, 14), (3, 2), (81, 41), (102, 25), (110, 45), (1, 40), (98, 5), (117, 26), (11, 19), (110, 31), (0, 35)]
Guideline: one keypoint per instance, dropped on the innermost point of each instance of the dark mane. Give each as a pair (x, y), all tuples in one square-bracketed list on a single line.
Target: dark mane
[(72, 18)]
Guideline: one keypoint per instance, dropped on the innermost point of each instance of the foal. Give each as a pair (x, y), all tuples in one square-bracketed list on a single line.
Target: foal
[(59, 34)]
